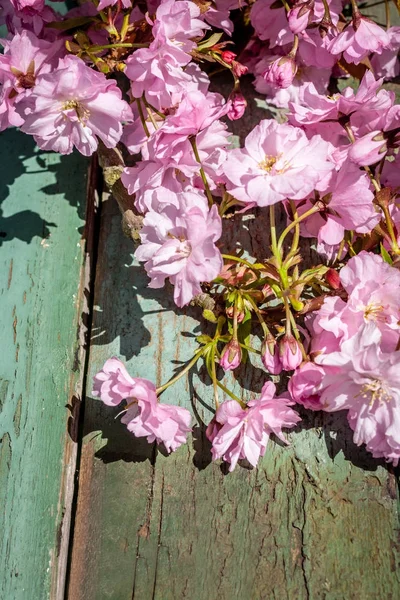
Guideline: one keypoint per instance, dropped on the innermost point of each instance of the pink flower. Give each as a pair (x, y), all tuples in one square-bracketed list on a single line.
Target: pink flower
[(270, 355), (104, 3), (243, 433), (145, 416), (367, 383), (218, 12), (24, 59), (231, 356), (289, 353), (270, 24), (358, 39), (305, 385), (387, 64), (31, 14), (305, 13), (281, 72), (72, 106), (278, 162), (157, 71), (348, 201), (179, 244)]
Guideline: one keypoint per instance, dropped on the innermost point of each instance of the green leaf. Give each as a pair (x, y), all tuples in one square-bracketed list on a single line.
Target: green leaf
[(70, 23), (385, 255), (209, 315), (211, 41)]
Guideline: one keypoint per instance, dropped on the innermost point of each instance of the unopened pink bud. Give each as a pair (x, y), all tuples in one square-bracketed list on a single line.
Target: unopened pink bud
[(270, 355), (369, 149), (228, 56), (333, 279), (237, 105), (231, 356), (290, 353), (298, 17), (281, 72)]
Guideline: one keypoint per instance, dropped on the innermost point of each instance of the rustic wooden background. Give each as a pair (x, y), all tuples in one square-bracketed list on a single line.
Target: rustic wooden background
[(84, 502)]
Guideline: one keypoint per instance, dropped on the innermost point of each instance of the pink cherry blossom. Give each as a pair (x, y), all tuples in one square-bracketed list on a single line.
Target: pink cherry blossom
[(179, 244), (387, 64), (25, 57), (306, 384), (104, 3), (368, 385), (145, 416), (73, 106), (270, 24), (157, 71), (243, 433), (277, 162), (348, 205), (358, 39)]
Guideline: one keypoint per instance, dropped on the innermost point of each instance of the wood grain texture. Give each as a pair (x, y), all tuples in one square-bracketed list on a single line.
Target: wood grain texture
[(42, 209), (315, 520)]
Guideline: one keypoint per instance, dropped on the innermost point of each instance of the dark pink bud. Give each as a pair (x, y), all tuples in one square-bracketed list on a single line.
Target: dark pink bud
[(228, 56), (270, 355), (333, 279), (290, 353), (237, 105), (231, 356), (239, 69)]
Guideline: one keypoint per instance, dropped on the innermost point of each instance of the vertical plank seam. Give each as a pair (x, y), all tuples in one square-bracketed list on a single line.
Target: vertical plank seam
[(91, 235)]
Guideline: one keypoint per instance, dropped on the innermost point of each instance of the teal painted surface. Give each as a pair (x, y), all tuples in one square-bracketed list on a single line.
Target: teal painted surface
[(315, 521), (42, 206)]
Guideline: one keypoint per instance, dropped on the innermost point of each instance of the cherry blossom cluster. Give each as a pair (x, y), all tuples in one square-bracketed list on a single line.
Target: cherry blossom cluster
[(135, 81)]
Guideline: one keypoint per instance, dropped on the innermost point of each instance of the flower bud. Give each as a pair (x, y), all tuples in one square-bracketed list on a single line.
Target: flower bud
[(368, 149), (237, 105), (299, 16), (270, 355), (281, 72), (333, 280), (239, 69), (231, 356), (289, 353), (228, 56)]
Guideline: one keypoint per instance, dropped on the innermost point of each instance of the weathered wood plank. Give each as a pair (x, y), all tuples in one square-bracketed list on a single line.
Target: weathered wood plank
[(42, 209), (317, 520)]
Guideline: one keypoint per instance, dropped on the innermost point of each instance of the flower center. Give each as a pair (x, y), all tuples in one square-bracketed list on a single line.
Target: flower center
[(81, 112), (376, 390), (373, 312), (268, 163)]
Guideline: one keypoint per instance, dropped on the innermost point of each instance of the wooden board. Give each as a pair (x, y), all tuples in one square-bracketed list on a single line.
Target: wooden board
[(316, 520), (42, 211)]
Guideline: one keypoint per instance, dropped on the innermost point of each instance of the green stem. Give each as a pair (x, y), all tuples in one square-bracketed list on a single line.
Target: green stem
[(214, 377), (202, 174), (296, 235), (190, 364), (239, 260), (288, 330), (249, 348), (294, 223), (273, 231), (389, 225), (259, 315), (231, 394), (118, 45)]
